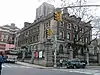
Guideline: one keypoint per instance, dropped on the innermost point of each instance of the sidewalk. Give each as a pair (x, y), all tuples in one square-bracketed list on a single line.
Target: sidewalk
[(33, 65), (43, 67), (93, 67), (88, 70)]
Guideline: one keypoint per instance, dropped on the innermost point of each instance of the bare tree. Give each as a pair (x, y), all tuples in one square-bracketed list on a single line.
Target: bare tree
[(86, 15), (96, 22)]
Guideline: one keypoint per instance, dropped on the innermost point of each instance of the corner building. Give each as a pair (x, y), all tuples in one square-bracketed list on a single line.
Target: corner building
[(33, 36)]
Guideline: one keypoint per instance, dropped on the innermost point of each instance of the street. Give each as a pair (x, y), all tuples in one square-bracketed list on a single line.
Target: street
[(15, 69)]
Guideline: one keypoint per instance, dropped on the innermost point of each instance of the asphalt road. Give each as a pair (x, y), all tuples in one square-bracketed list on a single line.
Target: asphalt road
[(14, 69)]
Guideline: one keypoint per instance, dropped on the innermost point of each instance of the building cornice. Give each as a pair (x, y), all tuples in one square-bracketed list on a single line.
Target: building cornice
[(38, 21)]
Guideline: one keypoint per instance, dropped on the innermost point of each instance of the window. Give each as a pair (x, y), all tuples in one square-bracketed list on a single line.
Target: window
[(83, 40), (86, 40), (49, 23), (34, 47), (23, 42), (30, 39), (6, 36), (33, 30), (80, 29), (2, 36), (61, 23), (33, 38), (76, 28), (36, 37), (1, 39), (61, 35), (77, 37), (27, 33), (80, 40), (26, 41), (44, 26), (69, 26), (61, 48), (37, 28), (82, 51), (68, 36)]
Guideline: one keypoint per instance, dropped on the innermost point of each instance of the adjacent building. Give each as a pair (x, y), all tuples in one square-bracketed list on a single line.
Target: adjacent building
[(44, 10), (7, 36), (33, 36)]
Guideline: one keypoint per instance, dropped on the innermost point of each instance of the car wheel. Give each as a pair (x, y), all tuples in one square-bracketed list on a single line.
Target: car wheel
[(83, 67), (68, 67), (74, 66)]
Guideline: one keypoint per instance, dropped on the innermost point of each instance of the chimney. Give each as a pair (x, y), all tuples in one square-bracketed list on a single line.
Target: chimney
[(12, 25)]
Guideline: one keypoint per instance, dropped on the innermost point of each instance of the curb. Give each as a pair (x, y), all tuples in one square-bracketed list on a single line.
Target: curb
[(81, 71), (43, 67), (32, 65)]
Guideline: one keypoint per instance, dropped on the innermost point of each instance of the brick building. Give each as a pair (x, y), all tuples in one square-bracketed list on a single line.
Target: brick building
[(7, 36), (33, 36)]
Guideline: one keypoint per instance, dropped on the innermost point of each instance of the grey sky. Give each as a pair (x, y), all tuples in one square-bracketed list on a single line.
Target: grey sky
[(20, 11)]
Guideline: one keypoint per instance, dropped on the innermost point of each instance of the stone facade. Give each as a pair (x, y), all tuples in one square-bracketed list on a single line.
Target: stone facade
[(33, 36)]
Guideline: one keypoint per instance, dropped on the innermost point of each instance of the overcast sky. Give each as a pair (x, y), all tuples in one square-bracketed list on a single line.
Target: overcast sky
[(20, 11)]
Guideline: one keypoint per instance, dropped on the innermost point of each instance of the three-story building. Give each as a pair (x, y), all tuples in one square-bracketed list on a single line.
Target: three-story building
[(33, 37)]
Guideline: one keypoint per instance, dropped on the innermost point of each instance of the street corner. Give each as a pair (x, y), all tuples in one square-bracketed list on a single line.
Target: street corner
[(96, 74), (33, 65)]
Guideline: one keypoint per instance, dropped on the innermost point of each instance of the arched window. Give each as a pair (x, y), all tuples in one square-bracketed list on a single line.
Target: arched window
[(68, 36), (61, 34), (61, 48)]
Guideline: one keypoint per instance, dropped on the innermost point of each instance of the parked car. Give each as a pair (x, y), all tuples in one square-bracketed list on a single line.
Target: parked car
[(11, 56), (11, 59), (75, 64)]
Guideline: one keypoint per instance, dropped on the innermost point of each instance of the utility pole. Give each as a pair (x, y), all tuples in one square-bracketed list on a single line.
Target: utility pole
[(55, 53)]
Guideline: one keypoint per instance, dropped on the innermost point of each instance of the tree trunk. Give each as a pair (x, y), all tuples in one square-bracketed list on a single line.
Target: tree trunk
[(75, 52), (87, 58), (23, 56)]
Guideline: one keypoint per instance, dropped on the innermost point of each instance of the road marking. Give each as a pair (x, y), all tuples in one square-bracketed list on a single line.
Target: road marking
[(84, 71), (14, 66)]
